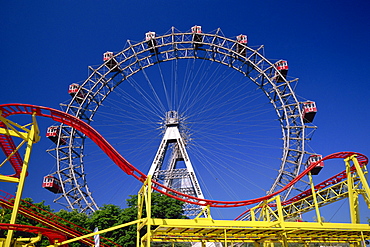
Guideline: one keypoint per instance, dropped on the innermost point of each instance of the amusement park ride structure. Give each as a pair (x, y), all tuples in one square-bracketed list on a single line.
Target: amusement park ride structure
[(294, 117), (268, 221), (269, 218)]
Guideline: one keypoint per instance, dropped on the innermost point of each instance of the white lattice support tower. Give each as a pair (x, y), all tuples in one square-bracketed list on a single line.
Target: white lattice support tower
[(135, 59), (168, 171)]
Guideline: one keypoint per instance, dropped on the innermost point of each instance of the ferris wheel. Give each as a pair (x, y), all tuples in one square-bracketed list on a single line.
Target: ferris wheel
[(235, 111)]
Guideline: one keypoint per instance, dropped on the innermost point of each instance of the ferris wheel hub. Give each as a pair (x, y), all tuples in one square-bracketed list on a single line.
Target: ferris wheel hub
[(172, 118)]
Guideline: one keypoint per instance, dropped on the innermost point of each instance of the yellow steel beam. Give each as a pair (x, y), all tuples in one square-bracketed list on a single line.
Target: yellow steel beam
[(21, 131), (269, 228), (8, 179), (352, 191), (324, 197), (272, 230), (96, 233), (191, 230), (361, 172), (313, 192), (29, 136), (356, 183)]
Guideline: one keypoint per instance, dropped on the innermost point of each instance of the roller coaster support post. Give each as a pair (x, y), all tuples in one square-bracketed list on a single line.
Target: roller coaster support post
[(29, 136), (354, 189), (318, 215), (144, 197)]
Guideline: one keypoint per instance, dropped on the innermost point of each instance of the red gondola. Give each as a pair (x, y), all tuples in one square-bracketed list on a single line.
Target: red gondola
[(112, 63), (53, 134), (107, 55), (282, 67), (309, 111), (196, 29), (197, 36), (242, 42), (75, 88), (313, 159), (51, 183), (151, 42)]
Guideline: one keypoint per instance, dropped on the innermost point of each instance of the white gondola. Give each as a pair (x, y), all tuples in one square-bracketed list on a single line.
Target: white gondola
[(309, 111), (111, 62), (282, 67), (74, 89), (242, 41), (52, 184), (107, 55), (151, 42), (53, 134), (313, 159), (197, 36)]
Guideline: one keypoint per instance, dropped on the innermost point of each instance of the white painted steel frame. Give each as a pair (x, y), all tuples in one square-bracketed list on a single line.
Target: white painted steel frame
[(136, 56)]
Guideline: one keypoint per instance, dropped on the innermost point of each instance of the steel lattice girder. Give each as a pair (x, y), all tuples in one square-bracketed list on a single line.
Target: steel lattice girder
[(176, 45), (209, 230)]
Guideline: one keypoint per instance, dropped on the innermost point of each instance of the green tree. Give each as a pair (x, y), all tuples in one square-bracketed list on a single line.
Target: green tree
[(27, 203), (110, 215), (78, 221), (106, 217)]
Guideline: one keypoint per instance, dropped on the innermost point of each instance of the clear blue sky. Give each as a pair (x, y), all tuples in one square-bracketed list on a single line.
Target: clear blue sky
[(47, 45)]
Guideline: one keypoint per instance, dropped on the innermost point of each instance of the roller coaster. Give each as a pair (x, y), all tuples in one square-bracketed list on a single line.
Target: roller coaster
[(266, 225), (269, 219)]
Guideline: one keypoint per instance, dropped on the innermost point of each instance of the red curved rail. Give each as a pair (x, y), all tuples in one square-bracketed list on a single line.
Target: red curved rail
[(363, 160), (67, 119), (52, 235), (7, 145), (50, 220)]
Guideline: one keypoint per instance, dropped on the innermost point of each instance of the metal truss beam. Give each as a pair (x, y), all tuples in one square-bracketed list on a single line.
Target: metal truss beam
[(136, 56), (353, 185), (29, 134), (270, 229), (182, 179)]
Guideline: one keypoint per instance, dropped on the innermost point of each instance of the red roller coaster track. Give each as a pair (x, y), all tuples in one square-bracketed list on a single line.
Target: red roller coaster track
[(7, 145), (63, 227), (52, 235), (328, 182), (118, 159)]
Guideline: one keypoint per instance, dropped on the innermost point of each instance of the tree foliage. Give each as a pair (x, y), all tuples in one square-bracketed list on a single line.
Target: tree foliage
[(106, 217), (39, 208)]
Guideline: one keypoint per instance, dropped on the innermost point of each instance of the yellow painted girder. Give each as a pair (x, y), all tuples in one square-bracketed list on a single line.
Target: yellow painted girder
[(29, 136), (209, 230), (333, 193), (324, 197), (192, 230), (270, 228), (21, 131), (8, 179)]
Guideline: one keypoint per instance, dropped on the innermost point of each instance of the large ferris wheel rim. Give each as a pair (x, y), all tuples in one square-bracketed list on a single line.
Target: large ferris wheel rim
[(139, 57)]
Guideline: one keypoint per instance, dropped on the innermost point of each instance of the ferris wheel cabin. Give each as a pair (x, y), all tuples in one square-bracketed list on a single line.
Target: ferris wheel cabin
[(242, 41), (107, 55), (52, 184), (313, 159), (197, 36), (74, 89), (309, 111), (151, 42), (53, 134), (282, 67), (111, 62)]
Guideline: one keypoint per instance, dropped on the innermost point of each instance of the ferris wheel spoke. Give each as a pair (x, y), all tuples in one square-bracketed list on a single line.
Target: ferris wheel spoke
[(237, 112)]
